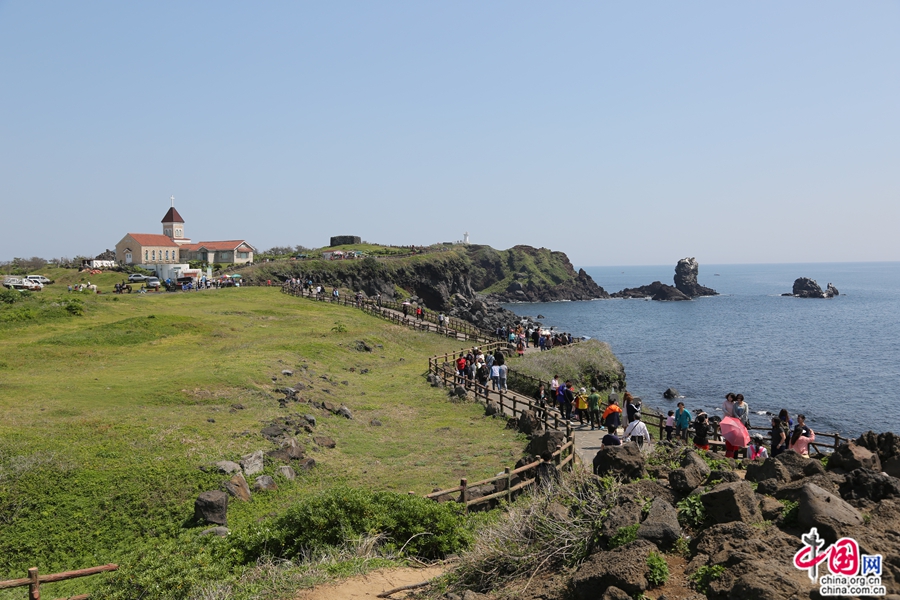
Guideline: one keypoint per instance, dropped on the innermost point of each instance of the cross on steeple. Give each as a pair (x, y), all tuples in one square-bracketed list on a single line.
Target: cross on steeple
[(173, 201)]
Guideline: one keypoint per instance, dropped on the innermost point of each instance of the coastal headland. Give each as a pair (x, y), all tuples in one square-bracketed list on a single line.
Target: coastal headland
[(152, 393)]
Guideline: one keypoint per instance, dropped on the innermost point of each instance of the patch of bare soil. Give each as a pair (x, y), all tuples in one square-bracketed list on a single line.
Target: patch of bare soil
[(678, 586), (368, 586)]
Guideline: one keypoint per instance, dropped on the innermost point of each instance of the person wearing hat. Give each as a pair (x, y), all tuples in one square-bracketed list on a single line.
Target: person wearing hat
[(594, 408), (755, 449), (581, 405)]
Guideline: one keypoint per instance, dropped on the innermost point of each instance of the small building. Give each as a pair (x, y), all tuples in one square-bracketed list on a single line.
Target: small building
[(228, 252), (170, 251), (146, 249)]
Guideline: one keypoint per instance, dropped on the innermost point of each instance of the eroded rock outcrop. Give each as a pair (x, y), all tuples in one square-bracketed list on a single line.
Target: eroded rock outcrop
[(804, 287), (685, 288), (686, 272)]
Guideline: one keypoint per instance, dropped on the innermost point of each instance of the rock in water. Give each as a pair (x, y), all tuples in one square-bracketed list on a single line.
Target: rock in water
[(686, 279), (670, 394), (804, 287)]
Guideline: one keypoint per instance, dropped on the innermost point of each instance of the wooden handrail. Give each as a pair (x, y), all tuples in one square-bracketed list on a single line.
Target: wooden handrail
[(34, 580)]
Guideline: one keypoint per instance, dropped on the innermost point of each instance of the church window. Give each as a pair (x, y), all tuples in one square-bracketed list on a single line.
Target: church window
[(153, 255), (146, 255)]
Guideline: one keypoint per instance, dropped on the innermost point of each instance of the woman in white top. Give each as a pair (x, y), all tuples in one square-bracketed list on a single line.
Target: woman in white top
[(637, 432)]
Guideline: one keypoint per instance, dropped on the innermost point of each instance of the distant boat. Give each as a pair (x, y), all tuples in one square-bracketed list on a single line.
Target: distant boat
[(715, 274)]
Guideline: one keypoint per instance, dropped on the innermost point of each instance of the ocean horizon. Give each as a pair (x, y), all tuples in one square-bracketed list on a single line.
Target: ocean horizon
[(836, 360)]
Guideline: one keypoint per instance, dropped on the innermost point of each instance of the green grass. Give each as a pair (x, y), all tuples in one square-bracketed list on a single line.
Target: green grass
[(589, 363), (108, 417)]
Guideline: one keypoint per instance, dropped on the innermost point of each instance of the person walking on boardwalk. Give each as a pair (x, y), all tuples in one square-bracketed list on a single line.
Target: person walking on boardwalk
[(554, 387), (504, 374), (632, 407), (612, 416), (594, 408), (541, 398), (682, 422), (569, 398), (670, 425), (637, 432), (581, 405)]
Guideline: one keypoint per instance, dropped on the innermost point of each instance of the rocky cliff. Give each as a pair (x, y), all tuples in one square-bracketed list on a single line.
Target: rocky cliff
[(464, 279)]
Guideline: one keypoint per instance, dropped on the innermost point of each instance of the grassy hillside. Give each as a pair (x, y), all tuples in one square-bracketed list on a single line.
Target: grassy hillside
[(109, 415)]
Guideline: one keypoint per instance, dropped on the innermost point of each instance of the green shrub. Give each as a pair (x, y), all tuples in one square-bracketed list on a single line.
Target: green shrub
[(703, 576), (624, 535), (790, 512), (691, 512), (659, 570), (408, 525), (172, 569)]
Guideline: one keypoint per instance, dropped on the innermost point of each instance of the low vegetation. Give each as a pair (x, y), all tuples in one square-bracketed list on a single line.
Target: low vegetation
[(547, 530), (110, 410), (588, 364)]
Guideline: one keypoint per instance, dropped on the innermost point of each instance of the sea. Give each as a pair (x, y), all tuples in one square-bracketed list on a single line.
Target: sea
[(835, 360)]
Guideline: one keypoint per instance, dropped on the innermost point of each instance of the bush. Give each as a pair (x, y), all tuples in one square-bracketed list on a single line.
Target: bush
[(542, 532), (790, 512), (691, 512), (625, 535), (659, 570), (407, 525), (703, 576)]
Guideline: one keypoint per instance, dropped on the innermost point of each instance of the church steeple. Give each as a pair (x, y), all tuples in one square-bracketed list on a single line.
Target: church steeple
[(173, 225)]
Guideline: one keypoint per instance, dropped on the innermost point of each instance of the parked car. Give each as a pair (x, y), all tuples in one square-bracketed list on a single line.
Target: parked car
[(14, 283), (152, 282), (40, 279), (137, 278)]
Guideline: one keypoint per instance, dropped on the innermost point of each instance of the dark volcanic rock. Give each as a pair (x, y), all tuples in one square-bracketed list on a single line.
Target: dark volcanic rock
[(804, 287), (625, 568), (625, 462), (732, 502), (850, 457), (656, 291), (686, 279), (833, 517), (661, 525), (212, 507), (887, 446)]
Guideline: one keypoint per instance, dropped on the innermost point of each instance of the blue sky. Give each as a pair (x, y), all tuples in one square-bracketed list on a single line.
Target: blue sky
[(621, 133)]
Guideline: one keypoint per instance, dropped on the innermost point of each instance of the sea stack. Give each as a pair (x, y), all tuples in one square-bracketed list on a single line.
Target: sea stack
[(804, 287), (686, 279)]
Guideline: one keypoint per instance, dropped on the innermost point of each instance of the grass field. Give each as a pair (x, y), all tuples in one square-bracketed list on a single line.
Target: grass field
[(108, 416)]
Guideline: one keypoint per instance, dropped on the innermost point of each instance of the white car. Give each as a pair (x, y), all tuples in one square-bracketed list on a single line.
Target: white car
[(40, 279)]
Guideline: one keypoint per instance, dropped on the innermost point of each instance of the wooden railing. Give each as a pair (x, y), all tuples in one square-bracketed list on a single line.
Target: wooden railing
[(34, 580), (512, 405), (392, 311)]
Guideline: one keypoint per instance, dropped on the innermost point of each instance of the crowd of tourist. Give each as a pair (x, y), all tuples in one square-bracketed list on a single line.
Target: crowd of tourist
[(698, 431)]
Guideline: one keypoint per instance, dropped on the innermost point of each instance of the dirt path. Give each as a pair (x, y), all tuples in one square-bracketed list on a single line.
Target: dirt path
[(368, 586)]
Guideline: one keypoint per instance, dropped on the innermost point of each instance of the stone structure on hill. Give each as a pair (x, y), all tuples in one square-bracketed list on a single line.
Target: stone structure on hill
[(804, 287), (686, 279), (343, 240)]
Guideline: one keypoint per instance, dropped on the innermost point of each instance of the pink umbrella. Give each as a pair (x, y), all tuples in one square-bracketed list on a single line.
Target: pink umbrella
[(734, 432)]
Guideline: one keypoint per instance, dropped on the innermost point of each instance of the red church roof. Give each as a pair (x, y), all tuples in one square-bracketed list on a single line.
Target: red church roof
[(172, 217), (152, 239)]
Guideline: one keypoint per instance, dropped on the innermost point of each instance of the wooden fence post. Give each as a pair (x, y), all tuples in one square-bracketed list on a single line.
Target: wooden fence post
[(463, 484), (34, 588), (508, 472)]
